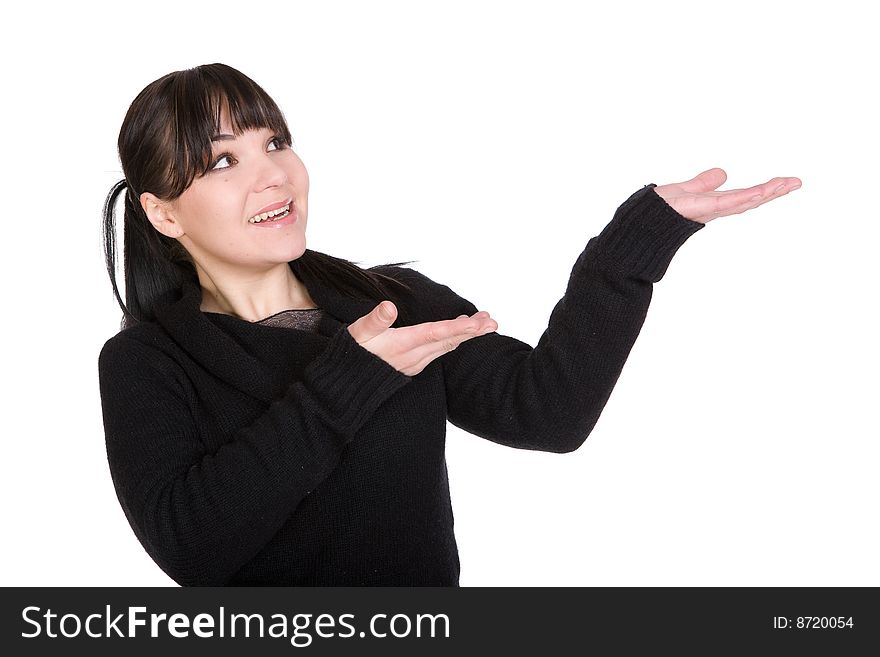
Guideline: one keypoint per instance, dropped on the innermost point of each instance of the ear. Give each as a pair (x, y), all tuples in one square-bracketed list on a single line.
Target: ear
[(160, 215)]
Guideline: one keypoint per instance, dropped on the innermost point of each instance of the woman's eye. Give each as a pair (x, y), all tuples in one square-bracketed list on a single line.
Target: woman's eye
[(214, 166), (279, 142)]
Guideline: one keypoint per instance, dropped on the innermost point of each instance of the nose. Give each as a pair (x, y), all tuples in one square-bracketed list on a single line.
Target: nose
[(270, 173)]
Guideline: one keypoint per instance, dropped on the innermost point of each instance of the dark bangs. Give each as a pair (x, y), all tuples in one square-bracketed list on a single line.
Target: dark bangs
[(199, 97)]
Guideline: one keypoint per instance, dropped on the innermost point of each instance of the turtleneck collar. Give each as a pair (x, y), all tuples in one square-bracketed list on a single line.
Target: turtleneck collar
[(219, 353)]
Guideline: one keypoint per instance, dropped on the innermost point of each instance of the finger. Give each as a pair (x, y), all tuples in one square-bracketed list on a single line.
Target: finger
[(451, 329), (711, 205), (729, 202), (766, 192), (707, 181), (375, 322), (433, 339), (429, 352), (428, 333)]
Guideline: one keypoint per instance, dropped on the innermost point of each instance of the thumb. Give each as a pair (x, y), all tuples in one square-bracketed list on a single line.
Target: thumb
[(375, 322), (386, 312), (708, 180)]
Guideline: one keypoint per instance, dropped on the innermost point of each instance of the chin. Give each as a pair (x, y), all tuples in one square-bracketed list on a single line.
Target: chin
[(294, 252)]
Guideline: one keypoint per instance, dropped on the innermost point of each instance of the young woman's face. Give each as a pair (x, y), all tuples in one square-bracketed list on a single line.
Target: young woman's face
[(249, 174)]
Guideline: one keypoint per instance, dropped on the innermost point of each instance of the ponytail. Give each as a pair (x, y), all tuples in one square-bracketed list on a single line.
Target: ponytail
[(109, 238), (155, 266)]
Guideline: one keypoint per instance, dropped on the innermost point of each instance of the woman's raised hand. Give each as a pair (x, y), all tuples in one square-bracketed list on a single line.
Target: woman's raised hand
[(410, 349), (697, 200)]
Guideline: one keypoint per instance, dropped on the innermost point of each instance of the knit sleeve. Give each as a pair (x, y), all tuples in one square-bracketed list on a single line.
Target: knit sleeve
[(203, 514), (549, 397)]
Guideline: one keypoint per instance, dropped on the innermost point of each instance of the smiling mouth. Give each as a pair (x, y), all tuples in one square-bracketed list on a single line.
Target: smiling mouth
[(273, 215)]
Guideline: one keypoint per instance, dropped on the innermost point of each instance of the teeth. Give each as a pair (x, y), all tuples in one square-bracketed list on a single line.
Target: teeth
[(267, 215)]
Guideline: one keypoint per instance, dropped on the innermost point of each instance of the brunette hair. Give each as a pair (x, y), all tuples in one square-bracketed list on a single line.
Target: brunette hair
[(164, 144)]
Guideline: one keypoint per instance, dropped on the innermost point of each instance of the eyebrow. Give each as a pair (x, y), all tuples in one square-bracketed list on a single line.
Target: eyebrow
[(222, 137)]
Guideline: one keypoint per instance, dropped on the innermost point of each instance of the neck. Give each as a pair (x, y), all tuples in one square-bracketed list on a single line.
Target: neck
[(253, 297)]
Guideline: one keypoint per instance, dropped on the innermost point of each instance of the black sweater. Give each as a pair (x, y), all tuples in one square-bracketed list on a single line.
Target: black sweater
[(246, 454)]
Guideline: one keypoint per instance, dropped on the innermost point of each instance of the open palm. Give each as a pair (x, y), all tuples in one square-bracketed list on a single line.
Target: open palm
[(698, 200)]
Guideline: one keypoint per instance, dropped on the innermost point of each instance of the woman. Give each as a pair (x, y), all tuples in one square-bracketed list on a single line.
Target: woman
[(277, 416)]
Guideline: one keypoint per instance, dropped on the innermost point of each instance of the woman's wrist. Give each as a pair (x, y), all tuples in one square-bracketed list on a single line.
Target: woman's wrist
[(644, 235)]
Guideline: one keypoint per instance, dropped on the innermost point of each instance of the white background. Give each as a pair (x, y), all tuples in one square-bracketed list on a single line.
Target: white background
[(489, 141)]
